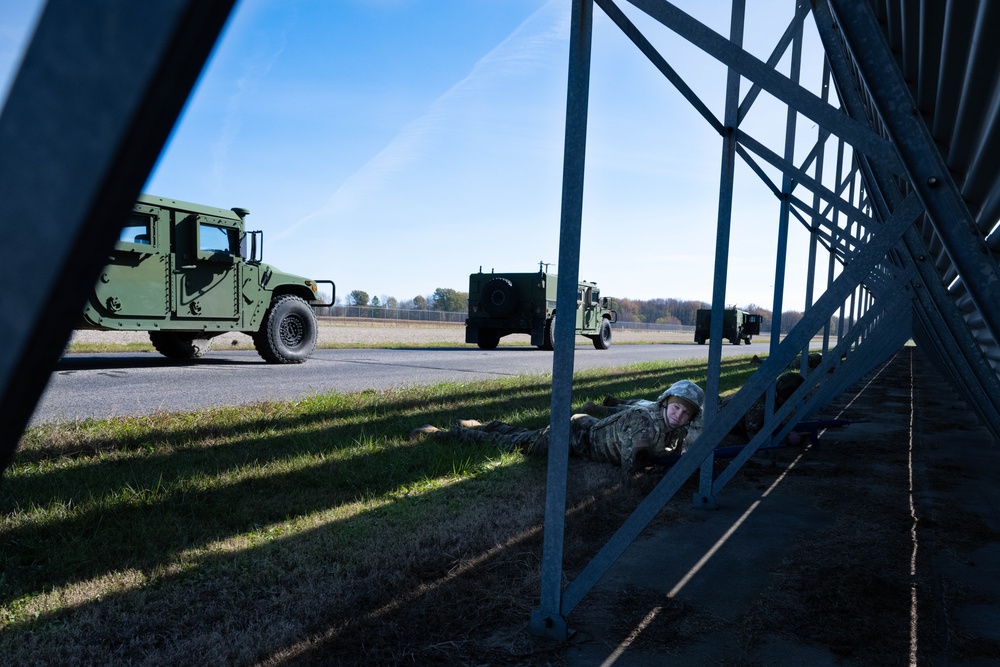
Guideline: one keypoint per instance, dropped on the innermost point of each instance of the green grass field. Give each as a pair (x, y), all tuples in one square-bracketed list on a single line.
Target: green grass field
[(276, 533)]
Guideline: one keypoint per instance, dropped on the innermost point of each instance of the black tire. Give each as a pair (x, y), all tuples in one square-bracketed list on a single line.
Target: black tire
[(488, 339), (699, 340), (499, 298), (549, 335), (734, 341), (179, 345), (602, 340), (288, 333)]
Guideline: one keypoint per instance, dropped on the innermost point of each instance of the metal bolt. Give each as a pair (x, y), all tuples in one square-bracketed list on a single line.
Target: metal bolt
[(932, 182)]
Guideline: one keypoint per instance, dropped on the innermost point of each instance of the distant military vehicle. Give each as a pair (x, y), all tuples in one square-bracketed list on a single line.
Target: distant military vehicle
[(737, 325), (187, 273), (508, 303)]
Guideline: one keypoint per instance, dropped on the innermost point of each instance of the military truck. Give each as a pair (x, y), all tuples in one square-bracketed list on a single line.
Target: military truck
[(737, 325), (509, 303), (187, 273)]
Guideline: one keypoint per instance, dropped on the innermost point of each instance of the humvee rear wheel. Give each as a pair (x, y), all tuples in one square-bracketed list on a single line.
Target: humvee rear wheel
[(488, 340), (602, 340), (177, 345), (288, 334), (499, 297)]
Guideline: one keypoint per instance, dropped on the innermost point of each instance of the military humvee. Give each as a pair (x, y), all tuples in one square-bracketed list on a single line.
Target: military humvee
[(737, 325), (508, 303), (187, 273)]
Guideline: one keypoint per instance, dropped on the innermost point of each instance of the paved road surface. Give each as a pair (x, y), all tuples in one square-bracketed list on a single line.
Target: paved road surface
[(105, 385)]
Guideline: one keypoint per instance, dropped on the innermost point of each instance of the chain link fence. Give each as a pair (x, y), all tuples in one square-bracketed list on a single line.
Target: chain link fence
[(391, 315), (377, 314)]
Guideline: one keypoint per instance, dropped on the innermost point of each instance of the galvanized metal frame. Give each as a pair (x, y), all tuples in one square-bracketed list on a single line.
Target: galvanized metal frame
[(543, 620), (912, 228), (89, 111), (887, 221)]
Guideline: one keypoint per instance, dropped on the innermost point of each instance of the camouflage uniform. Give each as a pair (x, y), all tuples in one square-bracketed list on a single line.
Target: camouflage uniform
[(613, 439), (753, 421), (745, 429)]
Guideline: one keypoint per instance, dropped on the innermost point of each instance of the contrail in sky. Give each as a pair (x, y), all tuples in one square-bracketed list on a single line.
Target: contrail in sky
[(527, 47)]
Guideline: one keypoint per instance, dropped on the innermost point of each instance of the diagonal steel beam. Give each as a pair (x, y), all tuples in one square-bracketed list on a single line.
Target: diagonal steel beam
[(938, 311), (96, 96), (802, 100), (879, 245), (669, 73), (926, 168)]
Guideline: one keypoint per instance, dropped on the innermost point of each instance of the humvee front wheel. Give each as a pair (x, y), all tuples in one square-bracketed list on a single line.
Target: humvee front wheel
[(177, 345), (288, 333), (602, 340)]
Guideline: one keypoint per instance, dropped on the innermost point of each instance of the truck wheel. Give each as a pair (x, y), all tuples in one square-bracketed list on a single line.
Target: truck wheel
[(488, 340), (699, 340), (288, 333), (602, 341), (734, 341), (499, 298), (176, 345), (549, 335)]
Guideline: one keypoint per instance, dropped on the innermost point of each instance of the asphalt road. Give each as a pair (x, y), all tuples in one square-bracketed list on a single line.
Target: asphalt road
[(105, 385)]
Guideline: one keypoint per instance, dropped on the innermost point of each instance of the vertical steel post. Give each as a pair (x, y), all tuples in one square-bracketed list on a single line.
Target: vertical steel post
[(704, 498), (813, 222), (781, 254), (548, 620)]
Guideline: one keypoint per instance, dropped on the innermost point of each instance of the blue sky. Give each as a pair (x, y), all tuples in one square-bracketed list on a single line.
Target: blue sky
[(395, 146)]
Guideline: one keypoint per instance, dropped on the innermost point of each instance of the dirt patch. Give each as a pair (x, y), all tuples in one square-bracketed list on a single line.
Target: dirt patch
[(816, 568)]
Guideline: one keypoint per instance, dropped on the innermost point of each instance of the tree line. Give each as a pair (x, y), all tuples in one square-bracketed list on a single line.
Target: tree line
[(651, 311), (685, 313), (443, 299)]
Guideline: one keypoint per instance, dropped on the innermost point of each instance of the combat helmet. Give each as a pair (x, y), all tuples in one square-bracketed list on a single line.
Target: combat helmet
[(785, 386), (687, 390)]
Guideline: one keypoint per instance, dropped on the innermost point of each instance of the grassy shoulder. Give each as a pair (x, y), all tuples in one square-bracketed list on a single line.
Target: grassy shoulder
[(97, 348), (275, 530)]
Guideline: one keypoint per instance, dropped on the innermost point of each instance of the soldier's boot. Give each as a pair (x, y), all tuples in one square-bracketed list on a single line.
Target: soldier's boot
[(594, 410), (611, 401), (426, 429), (469, 434)]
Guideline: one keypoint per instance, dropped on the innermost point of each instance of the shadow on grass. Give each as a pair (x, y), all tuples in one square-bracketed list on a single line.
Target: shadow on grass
[(432, 577), (156, 500)]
